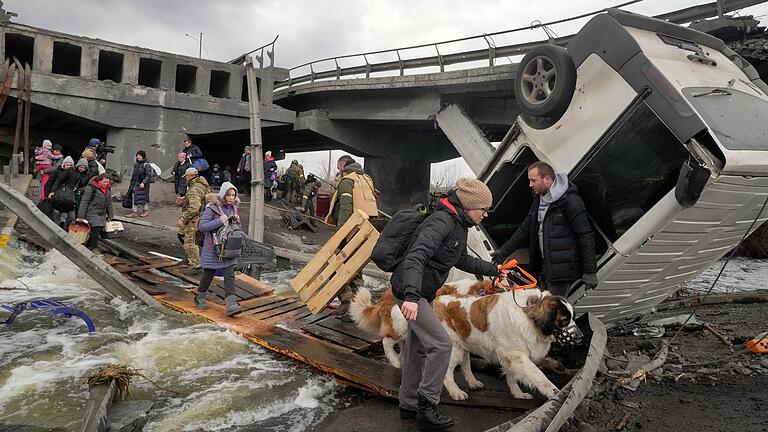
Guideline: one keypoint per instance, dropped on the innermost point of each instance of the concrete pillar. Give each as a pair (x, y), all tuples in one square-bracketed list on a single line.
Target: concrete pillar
[(167, 75), (202, 81), (130, 68), (161, 147), (403, 183), (236, 85), (43, 54), (464, 134), (89, 62)]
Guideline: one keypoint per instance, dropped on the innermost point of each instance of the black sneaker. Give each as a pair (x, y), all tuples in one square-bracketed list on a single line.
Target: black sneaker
[(407, 414)]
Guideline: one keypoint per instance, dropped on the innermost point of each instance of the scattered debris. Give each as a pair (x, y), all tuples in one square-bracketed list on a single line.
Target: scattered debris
[(623, 421), (759, 345), (641, 373), (654, 332), (725, 340), (52, 307), (673, 321), (122, 374)]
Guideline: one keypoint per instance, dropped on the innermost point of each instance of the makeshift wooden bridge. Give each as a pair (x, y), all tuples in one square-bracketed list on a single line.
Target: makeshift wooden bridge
[(284, 324)]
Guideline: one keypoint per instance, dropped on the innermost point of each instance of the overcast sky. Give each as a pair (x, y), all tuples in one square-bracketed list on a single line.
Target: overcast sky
[(312, 29)]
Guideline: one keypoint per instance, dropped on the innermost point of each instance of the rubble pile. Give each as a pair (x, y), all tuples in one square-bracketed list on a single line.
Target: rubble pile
[(700, 381)]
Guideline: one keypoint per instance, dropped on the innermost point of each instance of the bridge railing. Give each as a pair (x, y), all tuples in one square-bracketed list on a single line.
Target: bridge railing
[(490, 53)]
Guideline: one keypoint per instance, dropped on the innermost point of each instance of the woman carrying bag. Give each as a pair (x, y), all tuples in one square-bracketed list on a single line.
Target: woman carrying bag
[(221, 210), (96, 208)]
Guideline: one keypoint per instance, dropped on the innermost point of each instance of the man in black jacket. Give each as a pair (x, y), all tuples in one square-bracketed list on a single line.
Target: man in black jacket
[(193, 152), (557, 233), (439, 243)]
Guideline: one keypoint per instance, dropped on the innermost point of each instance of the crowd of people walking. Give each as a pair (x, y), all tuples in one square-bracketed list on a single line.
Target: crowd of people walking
[(70, 191)]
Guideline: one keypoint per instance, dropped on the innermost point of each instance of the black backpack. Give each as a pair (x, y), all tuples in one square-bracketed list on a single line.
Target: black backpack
[(392, 245)]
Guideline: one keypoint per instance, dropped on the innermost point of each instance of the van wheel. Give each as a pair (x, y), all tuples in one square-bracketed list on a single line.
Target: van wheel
[(545, 81)]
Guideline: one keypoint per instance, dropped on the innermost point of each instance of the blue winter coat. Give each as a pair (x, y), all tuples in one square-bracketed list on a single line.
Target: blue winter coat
[(209, 223)]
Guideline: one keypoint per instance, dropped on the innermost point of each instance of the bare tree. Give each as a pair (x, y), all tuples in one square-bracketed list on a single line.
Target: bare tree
[(445, 178)]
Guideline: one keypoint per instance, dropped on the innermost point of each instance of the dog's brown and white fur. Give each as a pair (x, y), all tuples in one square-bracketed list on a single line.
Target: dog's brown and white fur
[(498, 329), (385, 319), (495, 327)]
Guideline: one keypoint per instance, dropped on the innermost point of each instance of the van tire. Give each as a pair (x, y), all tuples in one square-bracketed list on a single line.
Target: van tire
[(545, 82)]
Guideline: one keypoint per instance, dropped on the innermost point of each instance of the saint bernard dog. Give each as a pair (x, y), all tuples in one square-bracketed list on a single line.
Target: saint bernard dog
[(387, 321), (512, 329)]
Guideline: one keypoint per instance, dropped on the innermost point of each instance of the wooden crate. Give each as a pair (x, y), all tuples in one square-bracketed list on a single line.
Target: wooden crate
[(337, 263)]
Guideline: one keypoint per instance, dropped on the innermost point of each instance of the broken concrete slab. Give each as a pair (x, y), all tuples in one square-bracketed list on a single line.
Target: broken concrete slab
[(128, 416), (673, 321)]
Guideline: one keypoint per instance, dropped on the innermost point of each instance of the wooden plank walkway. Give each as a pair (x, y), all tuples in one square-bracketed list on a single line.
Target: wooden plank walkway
[(284, 324)]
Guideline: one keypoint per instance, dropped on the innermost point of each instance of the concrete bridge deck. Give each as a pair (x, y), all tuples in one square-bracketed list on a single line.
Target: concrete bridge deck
[(134, 98)]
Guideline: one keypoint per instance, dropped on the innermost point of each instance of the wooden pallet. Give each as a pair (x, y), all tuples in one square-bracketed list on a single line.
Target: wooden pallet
[(337, 262)]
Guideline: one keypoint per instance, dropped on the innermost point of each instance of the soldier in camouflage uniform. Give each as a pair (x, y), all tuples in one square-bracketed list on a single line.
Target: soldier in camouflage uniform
[(192, 208), (311, 186), (294, 177), (343, 205)]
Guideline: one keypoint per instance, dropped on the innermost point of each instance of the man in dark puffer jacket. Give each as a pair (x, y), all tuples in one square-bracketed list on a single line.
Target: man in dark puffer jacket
[(556, 231), (439, 243)]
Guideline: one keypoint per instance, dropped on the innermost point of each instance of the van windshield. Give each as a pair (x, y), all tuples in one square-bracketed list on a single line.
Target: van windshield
[(738, 120)]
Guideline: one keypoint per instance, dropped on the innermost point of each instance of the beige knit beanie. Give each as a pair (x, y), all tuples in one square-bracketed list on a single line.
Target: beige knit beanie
[(473, 194)]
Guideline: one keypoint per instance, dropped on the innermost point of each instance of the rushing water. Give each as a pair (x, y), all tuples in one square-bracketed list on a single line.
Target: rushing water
[(741, 274), (223, 381)]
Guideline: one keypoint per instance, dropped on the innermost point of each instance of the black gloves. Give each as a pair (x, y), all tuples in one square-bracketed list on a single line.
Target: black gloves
[(590, 280), (497, 257)]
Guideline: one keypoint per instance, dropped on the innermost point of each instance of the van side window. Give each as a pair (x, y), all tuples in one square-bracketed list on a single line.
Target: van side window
[(630, 172)]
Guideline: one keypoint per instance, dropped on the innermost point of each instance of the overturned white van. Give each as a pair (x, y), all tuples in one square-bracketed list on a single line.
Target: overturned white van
[(663, 129)]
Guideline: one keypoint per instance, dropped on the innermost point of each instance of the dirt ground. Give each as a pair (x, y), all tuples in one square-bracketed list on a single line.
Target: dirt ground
[(164, 212), (702, 385)]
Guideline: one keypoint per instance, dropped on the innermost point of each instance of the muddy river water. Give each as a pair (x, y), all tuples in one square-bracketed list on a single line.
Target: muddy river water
[(223, 381)]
